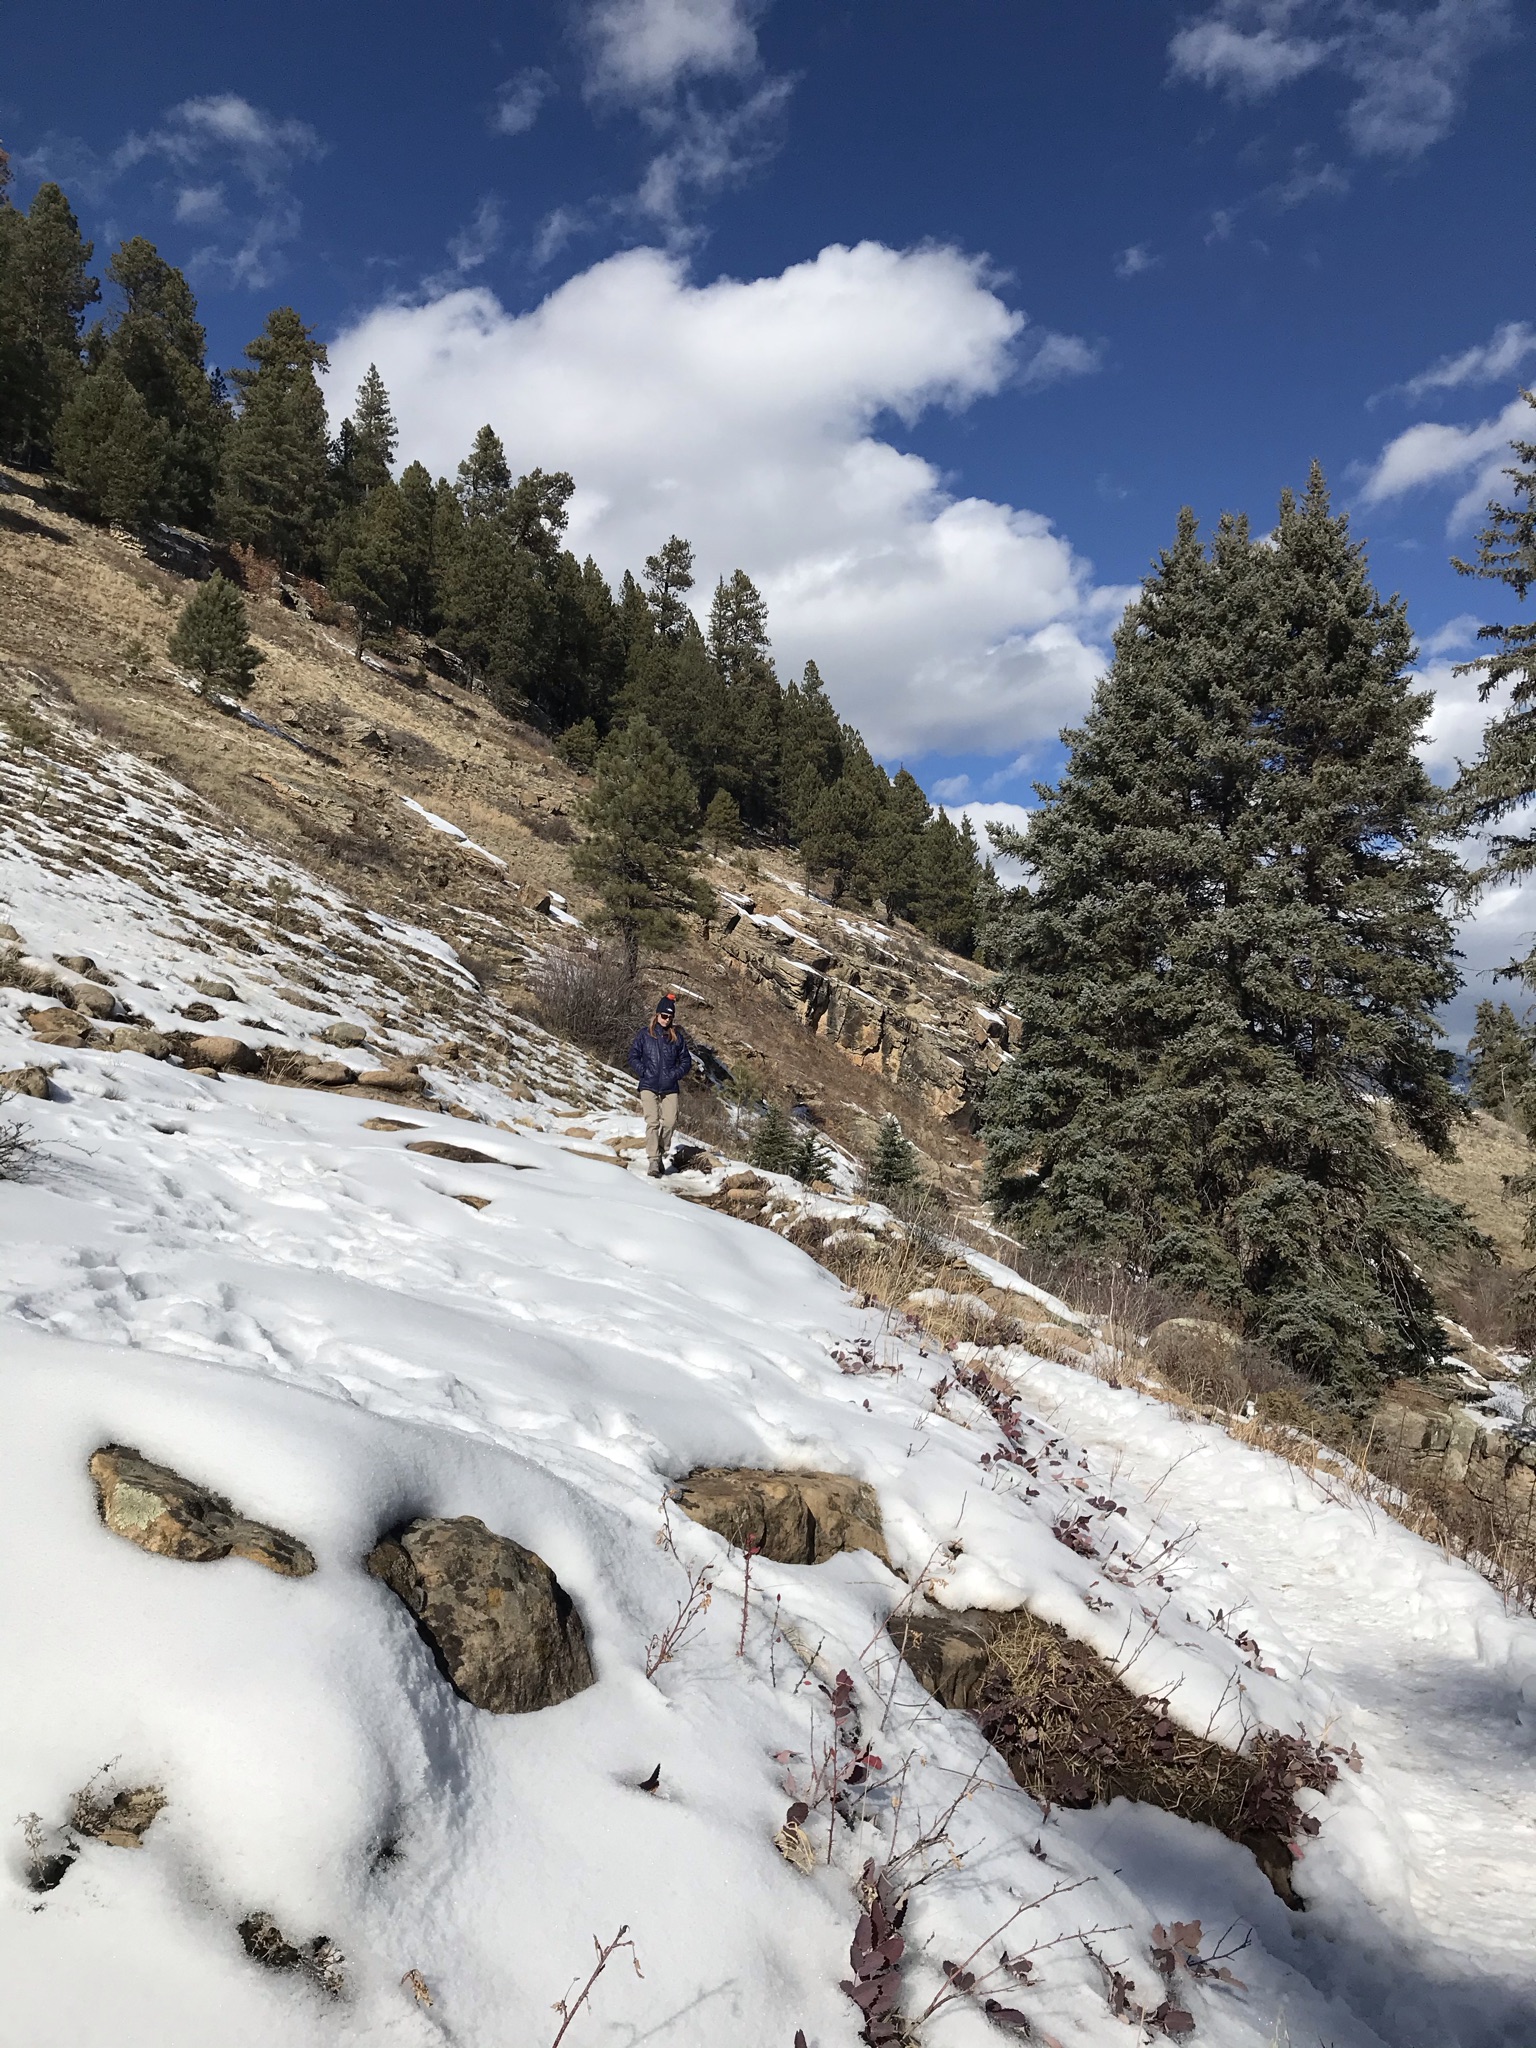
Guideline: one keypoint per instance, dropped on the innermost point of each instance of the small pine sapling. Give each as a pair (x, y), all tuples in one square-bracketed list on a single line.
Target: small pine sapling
[(812, 1161), (722, 820), (893, 1163), (211, 639), (774, 1145)]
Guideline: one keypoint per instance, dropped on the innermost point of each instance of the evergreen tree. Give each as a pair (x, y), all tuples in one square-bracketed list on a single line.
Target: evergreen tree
[(44, 291), (1235, 949), (1503, 778), (893, 1163), (275, 493), (211, 639), (949, 873), (722, 820), (418, 509), (577, 746), (366, 452), (108, 447), (746, 749), (775, 1147), (811, 1160), (810, 749), (668, 579), (485, 482), (1503, 1064), (840, 842), (641, 819), (899, 853), (673, 684), (372, 566), (158, 345)]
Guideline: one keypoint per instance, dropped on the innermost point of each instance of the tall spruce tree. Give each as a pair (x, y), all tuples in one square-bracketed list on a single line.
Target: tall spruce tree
[(418, 506), (746, 750), (275, 494), (45, 288), (108, 447), (810, 749), (1503, 1063), (1233, 954), (157, 342), (1503, 777), (642, 820)]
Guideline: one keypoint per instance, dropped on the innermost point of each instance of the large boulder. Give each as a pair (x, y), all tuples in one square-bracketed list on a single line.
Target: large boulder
[(223, 1055), (31, 1081), (791, 1517), (67, 1029), (503, 1629), (162, 1512)]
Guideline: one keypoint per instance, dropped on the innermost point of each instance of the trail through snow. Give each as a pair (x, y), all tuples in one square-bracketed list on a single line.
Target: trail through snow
[(1431, 1678)]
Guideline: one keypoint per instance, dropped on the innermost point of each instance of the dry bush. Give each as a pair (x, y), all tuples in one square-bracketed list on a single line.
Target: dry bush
[(1497, 1303), (1074, 1734), (586, 993), (702, 1114), (18, 1148)]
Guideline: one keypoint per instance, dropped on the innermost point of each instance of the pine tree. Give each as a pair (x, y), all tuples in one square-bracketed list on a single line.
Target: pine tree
[(668, 579), (158, 344), (811, 1159), (840, 842), (485, 482), (775, 1147), (372, 565), (1503, 778), (745, 753), (641, 819), (211, 639), (275, 494), (1235, 949), (893, 1163), (44, 291), (949, 873), (1503, 1062), (810, 749), (108, 447), (577, 746), (722, 820), (418, 507), (899, 854), (372, 440)]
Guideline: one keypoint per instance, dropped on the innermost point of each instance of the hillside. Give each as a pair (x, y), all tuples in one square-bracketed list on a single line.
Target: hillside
[(338, 760), (319, 1224)]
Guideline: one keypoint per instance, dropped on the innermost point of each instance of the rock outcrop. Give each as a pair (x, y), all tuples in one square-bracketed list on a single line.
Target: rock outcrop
[(791, 1517), (160, 1511), (503, 1629)]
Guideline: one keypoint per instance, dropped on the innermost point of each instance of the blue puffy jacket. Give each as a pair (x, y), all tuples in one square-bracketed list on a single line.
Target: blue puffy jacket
[(659, 1059)]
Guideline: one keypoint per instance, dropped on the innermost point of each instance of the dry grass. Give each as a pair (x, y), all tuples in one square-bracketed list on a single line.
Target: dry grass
[(1488, 1154)]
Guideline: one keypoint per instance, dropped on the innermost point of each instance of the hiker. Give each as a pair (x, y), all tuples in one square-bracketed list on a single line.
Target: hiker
[(658, 1059)]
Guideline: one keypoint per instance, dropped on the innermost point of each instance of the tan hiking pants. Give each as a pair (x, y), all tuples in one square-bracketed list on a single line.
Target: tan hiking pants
[(660, 1123)]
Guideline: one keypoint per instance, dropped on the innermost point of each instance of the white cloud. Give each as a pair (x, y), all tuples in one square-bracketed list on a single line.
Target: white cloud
[(707, 150), (1247, 63), (200, 204), (1409, 65), (1487, 362), (518, 101), (264, 147), (1133, 261), (1475, 457), (1307, 181), (741, 414), (224, 130), (641, 49)]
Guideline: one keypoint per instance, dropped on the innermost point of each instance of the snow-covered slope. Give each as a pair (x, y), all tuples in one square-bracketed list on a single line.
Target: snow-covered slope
[(249, 1285)]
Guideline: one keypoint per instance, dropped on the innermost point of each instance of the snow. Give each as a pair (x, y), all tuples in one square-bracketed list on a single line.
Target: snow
[(245, 1283), (453, 831)]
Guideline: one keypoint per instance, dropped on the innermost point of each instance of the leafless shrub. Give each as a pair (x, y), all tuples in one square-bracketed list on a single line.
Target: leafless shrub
[(45, 1866), (665, 1645), (702, 1114), (18, 1148), (586, 993), (568, 2007)]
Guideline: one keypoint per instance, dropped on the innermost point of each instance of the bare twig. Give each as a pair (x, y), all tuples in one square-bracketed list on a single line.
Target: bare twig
[(568, 2007)]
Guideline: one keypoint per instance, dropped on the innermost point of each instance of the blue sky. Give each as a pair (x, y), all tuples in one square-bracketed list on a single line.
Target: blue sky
[(928, 318)]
